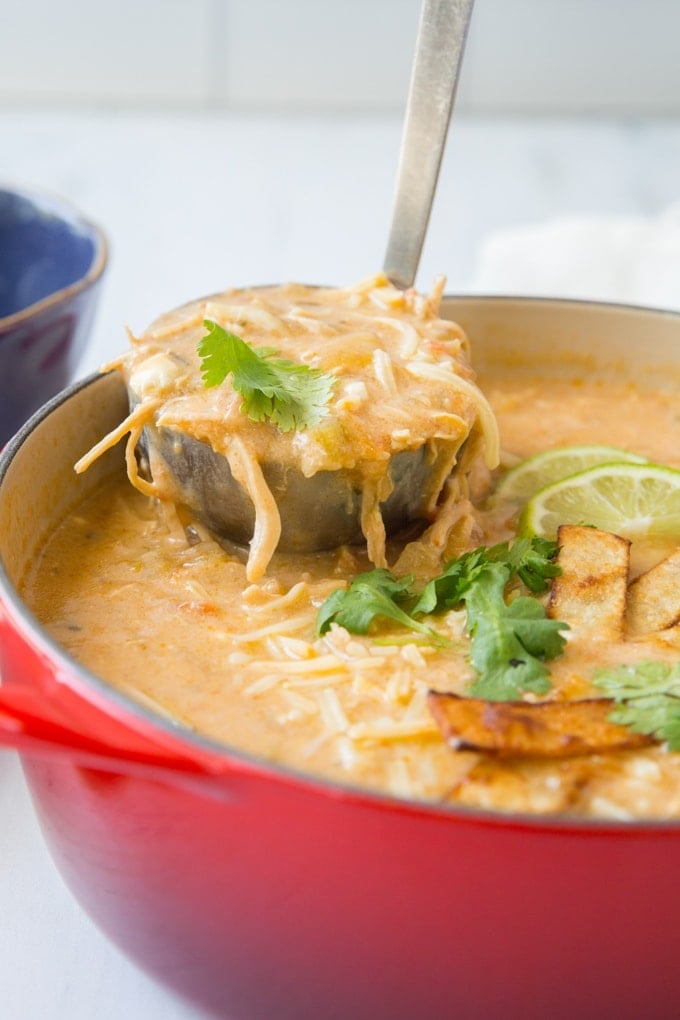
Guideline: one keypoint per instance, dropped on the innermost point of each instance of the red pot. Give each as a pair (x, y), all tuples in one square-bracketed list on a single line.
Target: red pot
[(257, 892)]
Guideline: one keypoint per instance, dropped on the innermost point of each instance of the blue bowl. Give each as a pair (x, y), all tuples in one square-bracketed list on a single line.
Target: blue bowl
[(51, 265)]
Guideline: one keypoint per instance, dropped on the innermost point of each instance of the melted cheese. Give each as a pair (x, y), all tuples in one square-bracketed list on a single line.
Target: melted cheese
[(402, 382)]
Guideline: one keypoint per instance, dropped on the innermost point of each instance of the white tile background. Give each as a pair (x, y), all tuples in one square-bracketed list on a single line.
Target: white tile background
[(570, 56)]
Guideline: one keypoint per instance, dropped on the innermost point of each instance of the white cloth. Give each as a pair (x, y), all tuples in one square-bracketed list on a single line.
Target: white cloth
[(634, 259)]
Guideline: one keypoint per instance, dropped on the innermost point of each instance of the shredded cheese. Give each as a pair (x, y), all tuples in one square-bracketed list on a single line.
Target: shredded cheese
[(403, 383)]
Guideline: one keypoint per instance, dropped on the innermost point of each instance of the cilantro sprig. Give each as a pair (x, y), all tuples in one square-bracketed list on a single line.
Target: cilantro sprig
[(290, 395), (377, 594), (510, 640), (647, 696), (531, 559)]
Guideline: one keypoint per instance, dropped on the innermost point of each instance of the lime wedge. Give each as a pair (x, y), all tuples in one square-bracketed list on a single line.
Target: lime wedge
[(534, 473), (632, 500)]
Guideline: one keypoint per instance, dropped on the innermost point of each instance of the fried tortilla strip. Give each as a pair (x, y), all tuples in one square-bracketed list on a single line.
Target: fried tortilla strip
[(654, 598), (590, 593), (669, 636), (519, 729)]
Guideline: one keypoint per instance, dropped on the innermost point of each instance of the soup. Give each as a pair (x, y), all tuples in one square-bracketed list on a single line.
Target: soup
[(161, 610)]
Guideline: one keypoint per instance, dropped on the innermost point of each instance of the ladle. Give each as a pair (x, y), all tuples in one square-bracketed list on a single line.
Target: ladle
[(323, 511), (434, 77)]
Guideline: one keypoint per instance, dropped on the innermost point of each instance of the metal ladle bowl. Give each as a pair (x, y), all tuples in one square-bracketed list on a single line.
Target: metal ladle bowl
[(318, 512), (323, 511)]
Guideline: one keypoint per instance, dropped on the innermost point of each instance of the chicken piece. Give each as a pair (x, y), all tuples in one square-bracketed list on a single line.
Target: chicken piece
[(654, 598), (590, 593), (519, 729)]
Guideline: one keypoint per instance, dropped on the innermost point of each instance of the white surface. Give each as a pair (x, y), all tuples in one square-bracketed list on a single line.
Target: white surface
[(632, 258), (194, 204), (595, 56)]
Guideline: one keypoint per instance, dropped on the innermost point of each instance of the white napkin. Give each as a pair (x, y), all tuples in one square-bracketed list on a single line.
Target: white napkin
[(634, 259)]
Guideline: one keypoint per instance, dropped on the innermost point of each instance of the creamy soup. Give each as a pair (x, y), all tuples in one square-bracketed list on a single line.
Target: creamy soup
[(157, 607)]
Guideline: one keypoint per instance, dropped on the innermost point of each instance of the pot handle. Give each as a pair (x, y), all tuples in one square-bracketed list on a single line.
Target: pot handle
[(33, 724)]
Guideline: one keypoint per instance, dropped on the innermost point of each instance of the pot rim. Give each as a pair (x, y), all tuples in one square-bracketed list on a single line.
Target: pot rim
[(68, 213), (89, 683)]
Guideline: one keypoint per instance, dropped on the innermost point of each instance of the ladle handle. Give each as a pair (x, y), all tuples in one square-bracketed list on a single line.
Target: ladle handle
[(439, 50)]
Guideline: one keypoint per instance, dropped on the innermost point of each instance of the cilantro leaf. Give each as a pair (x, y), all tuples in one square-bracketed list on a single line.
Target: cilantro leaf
[(508, 642), (375, 594), (289, 395), (448, 589), (531, 559), (648, 696), (540, 635)]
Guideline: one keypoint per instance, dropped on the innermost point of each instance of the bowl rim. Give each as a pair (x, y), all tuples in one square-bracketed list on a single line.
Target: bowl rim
[(84, 683), (68, 212)]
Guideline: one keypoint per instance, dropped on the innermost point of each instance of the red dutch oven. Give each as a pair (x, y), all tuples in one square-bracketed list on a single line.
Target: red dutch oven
[(257, 892)]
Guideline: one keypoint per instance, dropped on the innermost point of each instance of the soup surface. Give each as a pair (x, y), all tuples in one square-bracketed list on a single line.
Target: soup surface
[(165, 613)]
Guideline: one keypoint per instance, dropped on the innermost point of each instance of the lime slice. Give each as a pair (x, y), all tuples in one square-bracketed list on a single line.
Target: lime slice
[(631, 500), (534, 473)]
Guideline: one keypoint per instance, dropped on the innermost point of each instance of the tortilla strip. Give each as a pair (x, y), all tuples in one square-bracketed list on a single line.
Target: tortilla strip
[(590, 593), (669, 636), (654, 597), (519, 729)]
